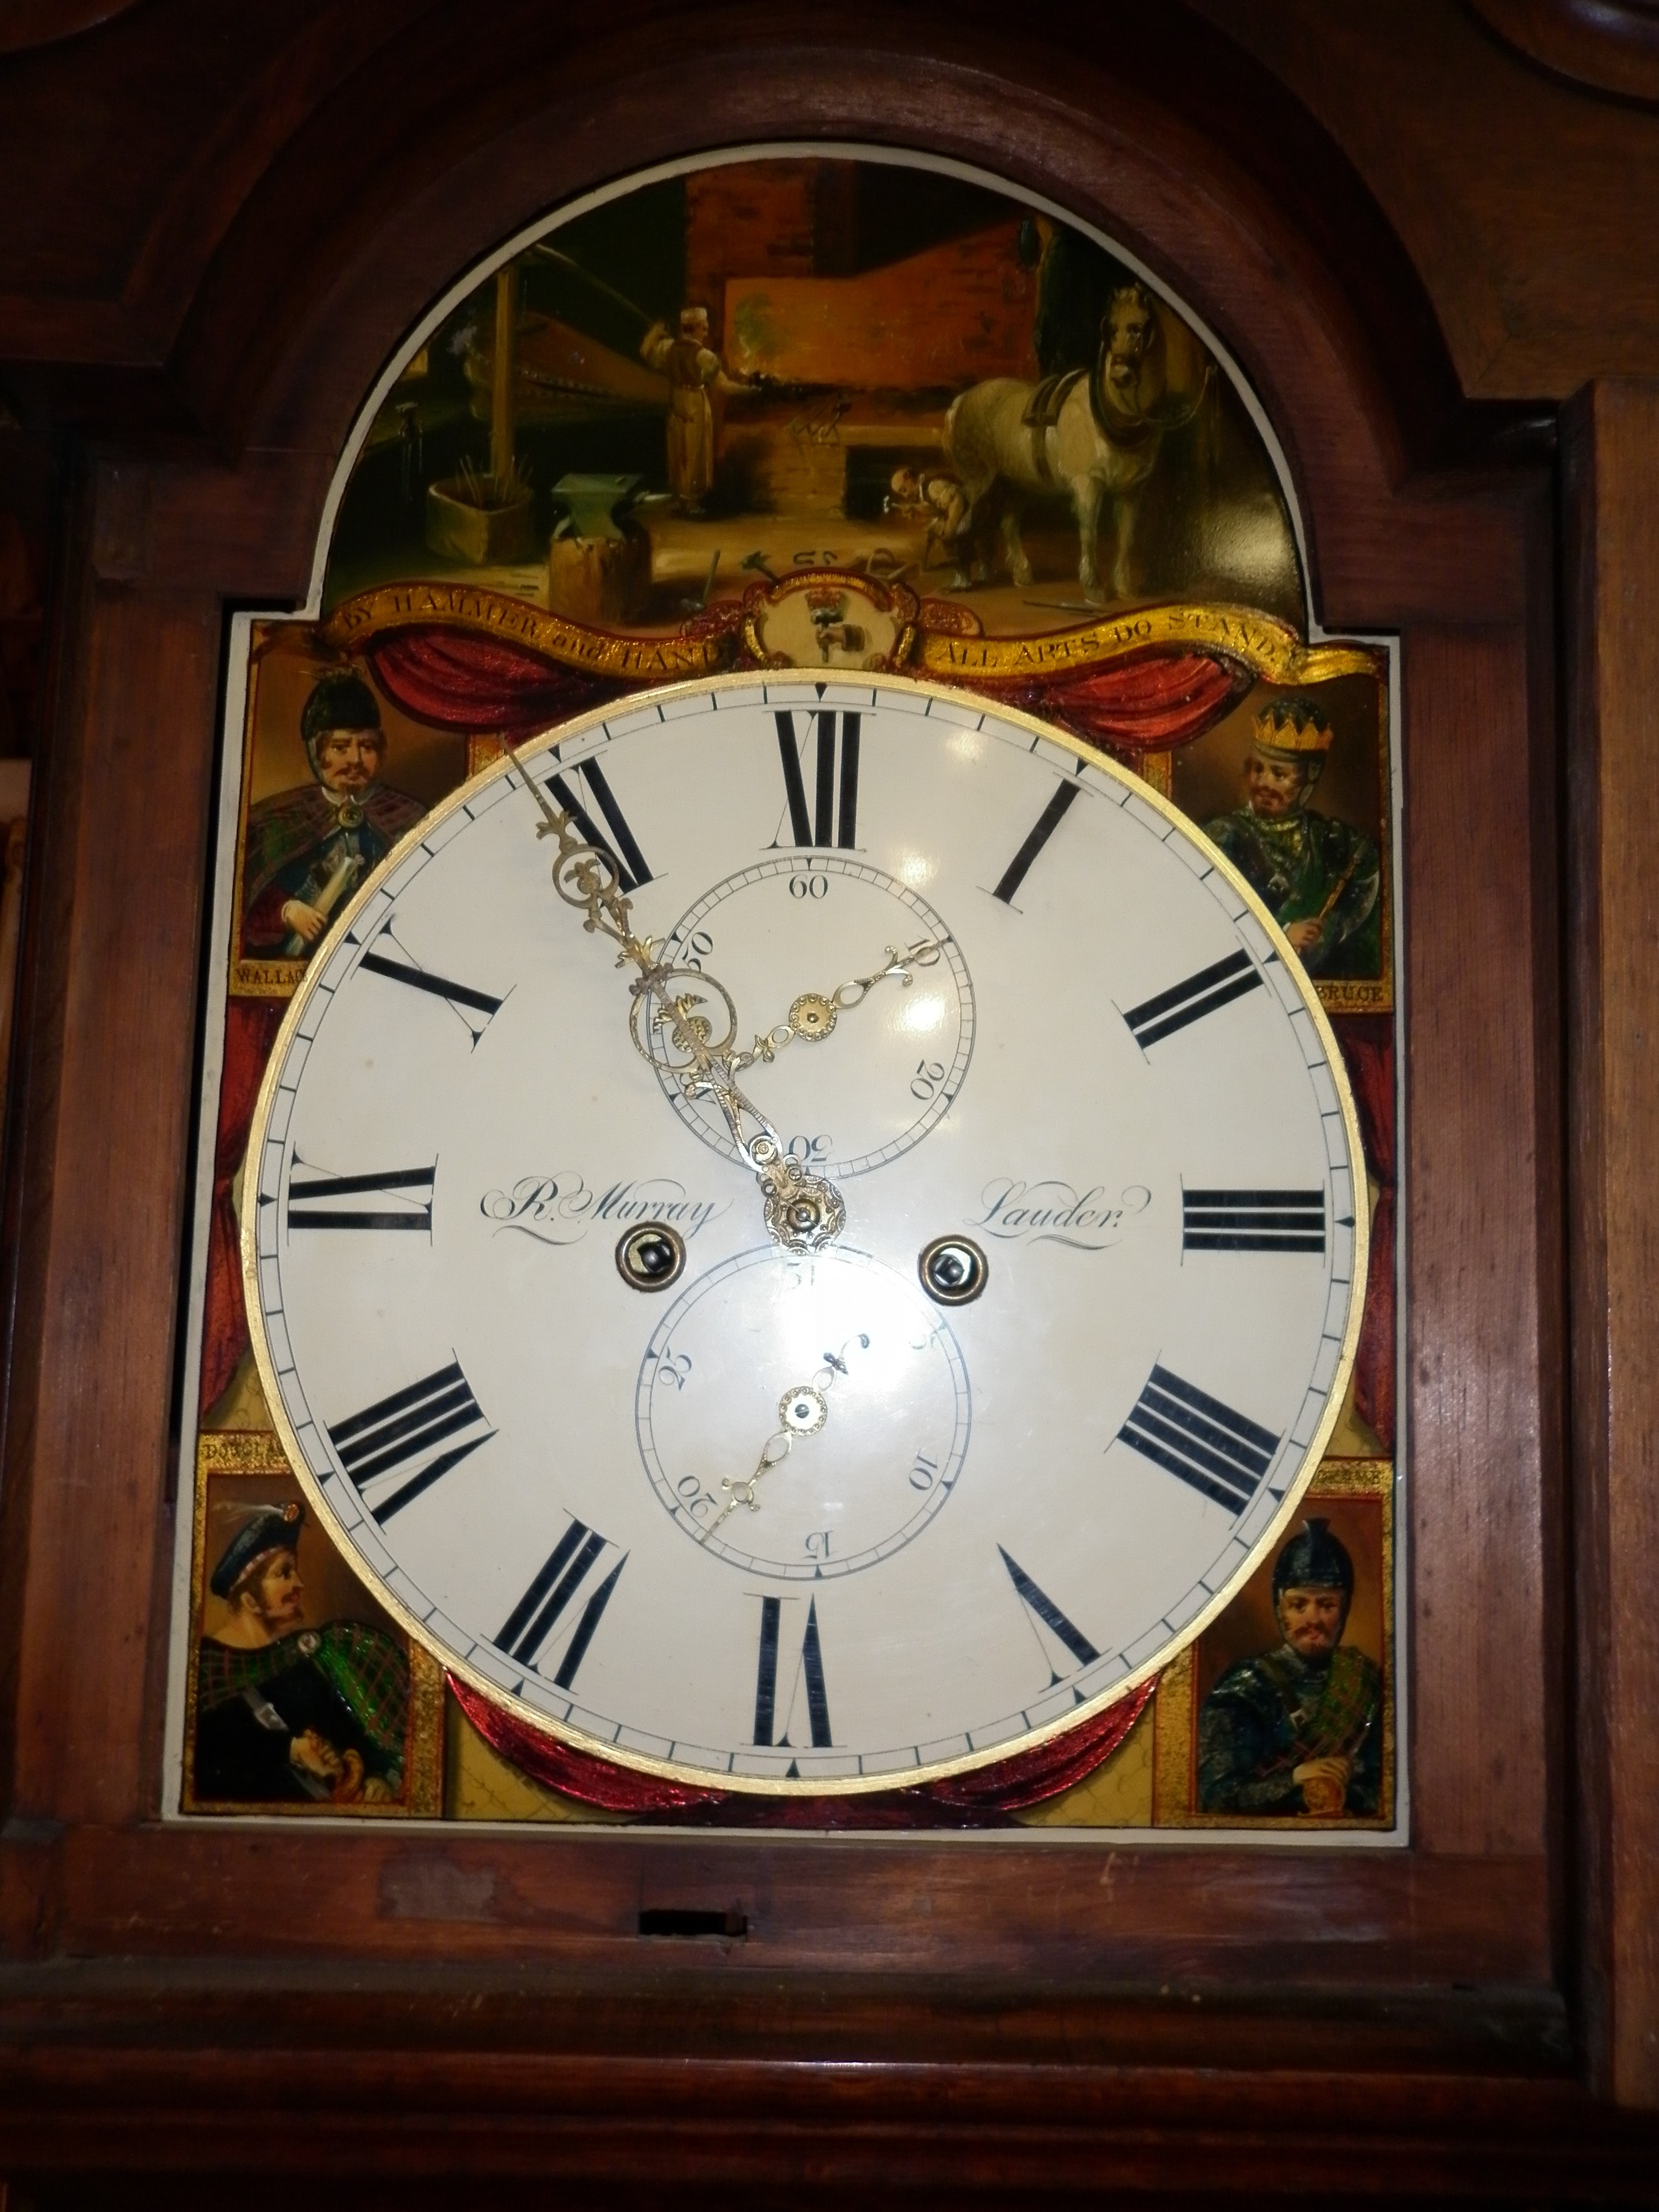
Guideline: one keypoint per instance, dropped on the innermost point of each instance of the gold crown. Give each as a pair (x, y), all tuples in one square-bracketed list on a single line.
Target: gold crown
[(1294, 727)]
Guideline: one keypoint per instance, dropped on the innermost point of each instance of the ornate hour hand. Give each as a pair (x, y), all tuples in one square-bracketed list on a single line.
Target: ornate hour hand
[(802, 1412), (685, 1024)]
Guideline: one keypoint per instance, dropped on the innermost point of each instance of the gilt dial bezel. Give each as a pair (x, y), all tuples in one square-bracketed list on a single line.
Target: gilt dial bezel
[(960, 702)]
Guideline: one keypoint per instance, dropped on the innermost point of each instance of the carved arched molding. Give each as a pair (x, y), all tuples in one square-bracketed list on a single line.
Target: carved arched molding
[(1612, 46), (27, 23), (309, 295)]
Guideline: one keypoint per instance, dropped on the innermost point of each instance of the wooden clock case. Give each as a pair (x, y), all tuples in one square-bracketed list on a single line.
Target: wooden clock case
[(413, 2017)]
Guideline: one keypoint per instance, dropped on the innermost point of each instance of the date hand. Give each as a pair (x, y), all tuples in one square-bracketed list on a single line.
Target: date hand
[(813, 1015), (686, 1024), (802, 1412)]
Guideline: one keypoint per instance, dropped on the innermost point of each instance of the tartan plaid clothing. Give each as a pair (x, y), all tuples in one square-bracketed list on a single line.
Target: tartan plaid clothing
[(1266, 1715), (346, 1681)]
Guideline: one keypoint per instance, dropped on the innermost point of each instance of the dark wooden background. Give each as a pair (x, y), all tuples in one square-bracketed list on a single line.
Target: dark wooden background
[(1431, 233)]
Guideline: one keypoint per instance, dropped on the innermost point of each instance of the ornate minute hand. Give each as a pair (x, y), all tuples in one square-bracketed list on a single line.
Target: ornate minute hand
[(813, 1015), (804, 1212)]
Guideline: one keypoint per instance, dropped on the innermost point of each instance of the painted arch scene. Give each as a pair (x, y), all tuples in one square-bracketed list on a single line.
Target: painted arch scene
[(773, 365)]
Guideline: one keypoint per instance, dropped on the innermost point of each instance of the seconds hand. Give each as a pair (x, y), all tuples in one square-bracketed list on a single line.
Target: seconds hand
[(802, 1412)]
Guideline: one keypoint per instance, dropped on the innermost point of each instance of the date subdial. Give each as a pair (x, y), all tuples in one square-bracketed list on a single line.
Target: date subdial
[(861, 1482), (787, 930)]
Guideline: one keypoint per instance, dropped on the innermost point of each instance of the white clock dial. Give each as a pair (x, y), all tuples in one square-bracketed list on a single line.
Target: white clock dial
[(804, 1521)]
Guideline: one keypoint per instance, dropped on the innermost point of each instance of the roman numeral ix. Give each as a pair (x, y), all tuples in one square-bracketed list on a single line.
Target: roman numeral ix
[(621, 848), (548, 1599), (766, 1680), (399, 1435), (1189, 1433), (1190, 1001), (1252, 1221), (316, 1202), (834, 815)]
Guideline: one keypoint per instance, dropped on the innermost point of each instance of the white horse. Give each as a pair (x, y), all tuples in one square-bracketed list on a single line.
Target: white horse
[(1092, 435)]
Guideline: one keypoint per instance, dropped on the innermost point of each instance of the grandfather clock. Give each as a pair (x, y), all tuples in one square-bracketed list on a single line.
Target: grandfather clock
[(983, 1526)]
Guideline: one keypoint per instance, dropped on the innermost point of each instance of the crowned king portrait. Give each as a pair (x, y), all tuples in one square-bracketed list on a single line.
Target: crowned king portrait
[(1320, 876)]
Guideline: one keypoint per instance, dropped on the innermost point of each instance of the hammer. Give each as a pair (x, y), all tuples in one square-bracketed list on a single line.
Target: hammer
[(757, 562)]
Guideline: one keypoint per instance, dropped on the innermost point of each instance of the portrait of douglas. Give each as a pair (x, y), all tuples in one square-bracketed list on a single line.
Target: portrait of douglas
[(285, 1712), (309, 848), (1297, 1730)]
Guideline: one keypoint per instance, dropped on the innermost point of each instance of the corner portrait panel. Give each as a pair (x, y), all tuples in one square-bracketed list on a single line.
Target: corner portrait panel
[(304, 1696), (333, 775), (1293, 785), (1282, 1712)]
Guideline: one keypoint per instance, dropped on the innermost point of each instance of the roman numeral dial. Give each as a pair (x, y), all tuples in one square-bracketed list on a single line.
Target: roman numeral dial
[(780, 1520)]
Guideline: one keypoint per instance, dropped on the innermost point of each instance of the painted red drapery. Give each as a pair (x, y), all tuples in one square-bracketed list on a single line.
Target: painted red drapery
[(250, 1026), (456, 680), (986, 1795), (1151, 704), (1367, 1042)]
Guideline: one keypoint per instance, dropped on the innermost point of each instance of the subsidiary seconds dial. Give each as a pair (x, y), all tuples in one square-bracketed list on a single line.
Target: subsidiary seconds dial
[(842, 1281)]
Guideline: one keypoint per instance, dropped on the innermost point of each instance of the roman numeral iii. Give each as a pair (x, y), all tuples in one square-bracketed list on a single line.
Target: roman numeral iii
[(1252, 1221), (766, 1679), (1183, 1429), (1200, 994), (399, 1435), (544, 1604), (318, 1202), (833, 817)]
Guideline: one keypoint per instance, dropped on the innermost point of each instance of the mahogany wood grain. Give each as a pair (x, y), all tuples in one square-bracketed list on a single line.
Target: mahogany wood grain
[(1483, 1320), (1040, 1916), (1612, 508), (761, 2132), (123, 883)]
